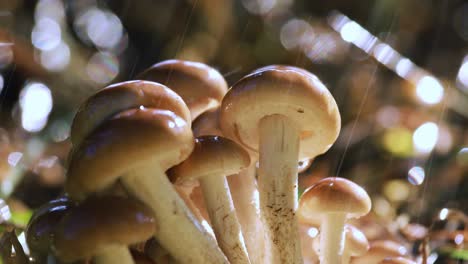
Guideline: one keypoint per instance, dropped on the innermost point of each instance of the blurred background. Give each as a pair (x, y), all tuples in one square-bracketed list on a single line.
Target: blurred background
[(398, 70)]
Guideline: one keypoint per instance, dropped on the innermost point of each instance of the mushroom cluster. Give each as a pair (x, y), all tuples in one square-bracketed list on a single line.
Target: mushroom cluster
[(176, 168)]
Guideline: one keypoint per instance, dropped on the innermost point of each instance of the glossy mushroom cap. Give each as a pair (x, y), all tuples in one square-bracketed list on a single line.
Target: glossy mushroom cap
[(123, 96), (99, 222), (397, 260), (335, 195), (296, 94), (207, 124), (40, 229), (379, 250), (355, 241), (211, 155), (201, 86), (130, 139)]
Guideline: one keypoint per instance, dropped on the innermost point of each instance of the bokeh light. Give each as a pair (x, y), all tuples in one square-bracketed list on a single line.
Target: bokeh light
[(56, 59), (14, 158), (103, 67), (260, 7), (425, 137), (295, 34), (46, 34), (462, 76), (429, 90), (36, 104), (404, 67), (396, 190), (416, 175), (2, 83)]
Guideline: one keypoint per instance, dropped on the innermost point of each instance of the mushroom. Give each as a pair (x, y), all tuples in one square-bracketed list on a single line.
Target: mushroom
[(379, 250), (355, 244), (285, 115), (397, 260), (212, 159), (140, 145), (244, 191), (123, 96), (103, 227), (141, 258), (40, 229), (334, 200), (201, 86)]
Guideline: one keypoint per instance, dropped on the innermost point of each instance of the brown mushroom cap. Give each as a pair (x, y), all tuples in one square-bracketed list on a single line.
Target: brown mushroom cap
[(40, 229), (201, 86), (380, 250), (355, 241), (130, 139), (397, 260), (99, 222), (123, 96), (297, 94), (207, 124), (335, 195), (211, 155)]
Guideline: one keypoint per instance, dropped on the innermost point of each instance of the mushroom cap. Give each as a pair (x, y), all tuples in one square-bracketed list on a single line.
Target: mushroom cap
[(355, 241), (212, 155), (123, 96), (397, 260), (380, 250), (335, 195), (40, 229), (296, 94), (201, 86), (131, 139), (99, 222), (207, 124)]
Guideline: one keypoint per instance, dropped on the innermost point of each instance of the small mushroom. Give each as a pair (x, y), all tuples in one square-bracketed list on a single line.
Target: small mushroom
[(40, 229), (334, 200), (137, 146), (379, 250), (285, 115), (356, 244), (103, 227), (212, 159), (244, 191), (201, 86)]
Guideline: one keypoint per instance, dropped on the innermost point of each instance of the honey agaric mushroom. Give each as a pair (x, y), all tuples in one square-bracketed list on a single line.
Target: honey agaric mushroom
[(334, 200), (397, 260), (201, 86), (355, 244), (123, 96), (379, 250), (40, 229), (244, 191), (212, 159), (285, 115), (138, 146), (103, 227)]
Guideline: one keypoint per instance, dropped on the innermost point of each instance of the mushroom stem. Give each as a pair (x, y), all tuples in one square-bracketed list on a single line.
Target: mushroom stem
[(178, 230), (114, 254), (223, 217), (346, 257), (185, 195), (245, 196), (279, 154), (332, 238)]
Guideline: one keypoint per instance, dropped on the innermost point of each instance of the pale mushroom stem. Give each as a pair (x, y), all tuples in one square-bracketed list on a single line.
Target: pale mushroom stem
[(245, 196), (178, 230), (185, 195), (332, 238), (345, 259), (279, 154), (223, 217), (114, 254)]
